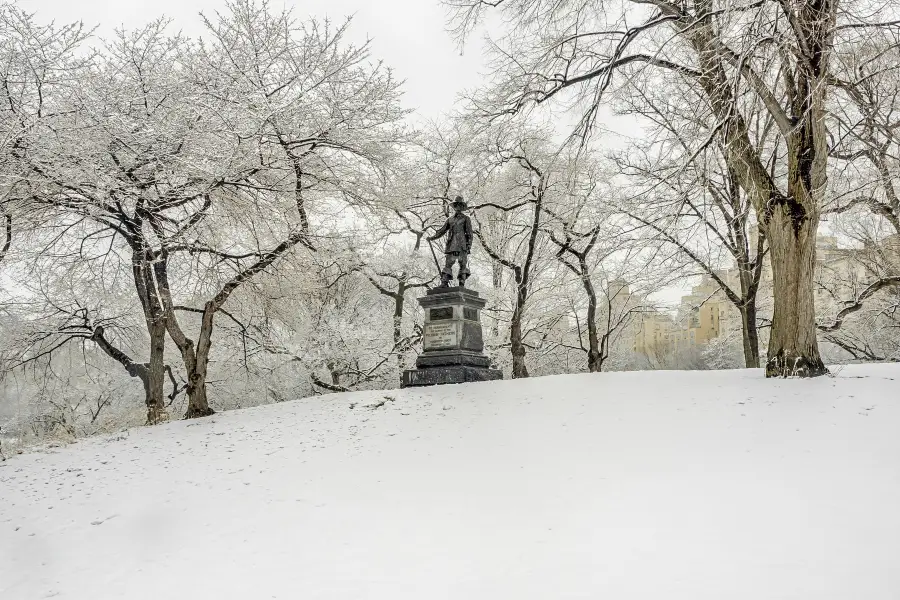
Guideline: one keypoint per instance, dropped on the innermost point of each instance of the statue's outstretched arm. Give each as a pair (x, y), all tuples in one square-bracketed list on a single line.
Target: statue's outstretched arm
[(440, 232)]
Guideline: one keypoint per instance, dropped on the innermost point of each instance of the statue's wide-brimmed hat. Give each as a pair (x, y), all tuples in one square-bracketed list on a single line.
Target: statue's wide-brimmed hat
[(458, 201)]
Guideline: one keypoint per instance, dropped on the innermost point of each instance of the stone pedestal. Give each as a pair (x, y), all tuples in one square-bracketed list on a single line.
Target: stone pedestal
[(453, 344)]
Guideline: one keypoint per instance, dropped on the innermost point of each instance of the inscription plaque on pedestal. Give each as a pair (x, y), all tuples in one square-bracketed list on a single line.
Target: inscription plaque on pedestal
[(440, 335)]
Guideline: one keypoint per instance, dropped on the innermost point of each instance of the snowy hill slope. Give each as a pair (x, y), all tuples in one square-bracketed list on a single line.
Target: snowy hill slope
[(665, 485)]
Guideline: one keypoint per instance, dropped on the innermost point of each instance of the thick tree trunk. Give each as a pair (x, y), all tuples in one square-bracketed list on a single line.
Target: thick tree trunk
[(398, 328), (335, 372), (594, 356), (198, 405), (195, 359), (497, 282), (151, 377), (790, 221), (195, 368), (153, 373), (156, 370), (516, 345), (516, 340), (793, 349)]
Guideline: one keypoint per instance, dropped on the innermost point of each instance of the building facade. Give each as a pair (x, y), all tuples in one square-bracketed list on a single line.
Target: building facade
[(706, 313)]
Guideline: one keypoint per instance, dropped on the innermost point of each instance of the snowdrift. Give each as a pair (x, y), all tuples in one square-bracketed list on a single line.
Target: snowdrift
[(663, 485)]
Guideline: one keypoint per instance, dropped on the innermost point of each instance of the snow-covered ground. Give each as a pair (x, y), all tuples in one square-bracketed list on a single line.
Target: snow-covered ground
[(664, 485)]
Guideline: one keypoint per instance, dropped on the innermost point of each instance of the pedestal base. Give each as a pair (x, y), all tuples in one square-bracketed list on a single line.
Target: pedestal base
[(445, 358), (452, 343), (448, 374)]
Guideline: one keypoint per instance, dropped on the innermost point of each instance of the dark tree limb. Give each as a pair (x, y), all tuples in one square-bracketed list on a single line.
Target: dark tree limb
[(325, 385), (7, 235), (853, 306)]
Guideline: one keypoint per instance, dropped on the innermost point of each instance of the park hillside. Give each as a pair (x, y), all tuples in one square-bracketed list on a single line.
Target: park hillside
[(682, 485), (249, 213)]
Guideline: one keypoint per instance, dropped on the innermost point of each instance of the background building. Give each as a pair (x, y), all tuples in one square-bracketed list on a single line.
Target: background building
[(706, 313)]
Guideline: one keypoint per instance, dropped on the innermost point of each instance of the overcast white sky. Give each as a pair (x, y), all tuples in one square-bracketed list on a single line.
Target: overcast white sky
[(407, 34)]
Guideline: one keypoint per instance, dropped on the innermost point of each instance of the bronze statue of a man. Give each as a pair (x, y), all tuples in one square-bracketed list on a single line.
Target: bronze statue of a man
[(459, 242)]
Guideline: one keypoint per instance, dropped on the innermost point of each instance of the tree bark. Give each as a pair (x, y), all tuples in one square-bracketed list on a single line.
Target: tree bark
[(790, 221), (198, 405), (516, 344), (594, 355), (749, 334), (7, 234), (153, 375), (156, 408), (793, 348), (497, 283), (399, 301), (156, 369), (195, 359)]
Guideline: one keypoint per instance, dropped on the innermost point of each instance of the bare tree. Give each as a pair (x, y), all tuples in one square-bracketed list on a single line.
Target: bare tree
[(39, 100), (207, 158), (129, 153), (594, 243), (520, 189), (58, 326), (866, 151), (617, 290), (37, 61), (328, 329), (857, 286), (697, 206), (686, 194), (382, 256), (769, 54), (314, 109)]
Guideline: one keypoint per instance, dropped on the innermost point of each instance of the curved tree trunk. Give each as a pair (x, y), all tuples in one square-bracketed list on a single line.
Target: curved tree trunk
[(150, 374)]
